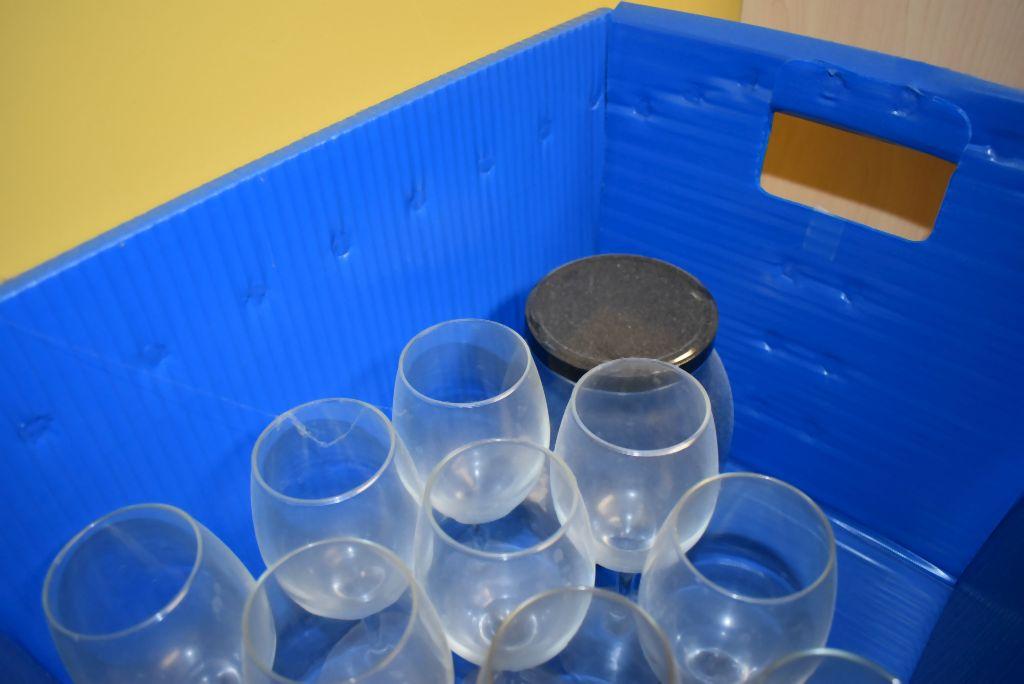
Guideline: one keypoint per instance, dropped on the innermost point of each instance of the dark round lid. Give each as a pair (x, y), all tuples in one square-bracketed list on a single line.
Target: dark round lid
[(613, 306)]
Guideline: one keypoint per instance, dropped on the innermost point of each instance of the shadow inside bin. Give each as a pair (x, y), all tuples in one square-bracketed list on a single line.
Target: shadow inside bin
[(512, 312), (465, 671), (980, 635), (19, 666)]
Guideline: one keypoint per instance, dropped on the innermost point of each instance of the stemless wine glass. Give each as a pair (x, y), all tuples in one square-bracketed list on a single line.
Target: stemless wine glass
[(147, 594), (824, 666), (587, 635), (463, 381), (342, 610), (331, 468), (637, 434), (616, 306), (742, 572), (502, 520)]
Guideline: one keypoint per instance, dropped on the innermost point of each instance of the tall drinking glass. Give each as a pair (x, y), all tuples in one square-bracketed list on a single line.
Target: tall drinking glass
[(637, 434), (502, 520), (147, 594), (331, 468), (742, 572), (824, 666), (463, 381), (546, 640), (342, 610)]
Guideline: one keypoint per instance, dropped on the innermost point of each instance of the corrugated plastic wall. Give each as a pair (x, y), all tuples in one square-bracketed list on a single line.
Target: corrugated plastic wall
[(878, 374), (143, 365)]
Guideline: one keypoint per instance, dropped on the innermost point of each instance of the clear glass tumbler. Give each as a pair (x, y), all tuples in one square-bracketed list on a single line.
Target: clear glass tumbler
[(637, 434), (579, 634), (824, 666), (147, 594), (463, 381), (742, 572), (710, 373), (502, 520), (616, 306), (326, 469), (342, 610)]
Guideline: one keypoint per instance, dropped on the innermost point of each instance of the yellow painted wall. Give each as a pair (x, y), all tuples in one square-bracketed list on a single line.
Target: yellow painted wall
[(111, 107)]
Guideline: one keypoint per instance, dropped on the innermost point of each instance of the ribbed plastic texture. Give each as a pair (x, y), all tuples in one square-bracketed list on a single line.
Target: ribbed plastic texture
[(877, 374), (143, 366)]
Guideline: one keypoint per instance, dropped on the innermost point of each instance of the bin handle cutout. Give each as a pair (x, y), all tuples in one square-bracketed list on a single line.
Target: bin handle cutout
[(869, 151)]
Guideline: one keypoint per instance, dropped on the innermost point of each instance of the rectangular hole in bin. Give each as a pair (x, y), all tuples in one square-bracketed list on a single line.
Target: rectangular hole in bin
[(877, 183)]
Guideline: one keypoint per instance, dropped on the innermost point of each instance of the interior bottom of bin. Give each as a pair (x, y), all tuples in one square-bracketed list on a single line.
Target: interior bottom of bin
[(887, 602), (888, 599)]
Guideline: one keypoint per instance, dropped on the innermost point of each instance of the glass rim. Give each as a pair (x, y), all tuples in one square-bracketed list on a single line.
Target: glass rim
[(521, 343), (247, 647), (83, 536), (830, 564), (257, 475), (645, 453), (487, 669), (826, 654), (547, 542)]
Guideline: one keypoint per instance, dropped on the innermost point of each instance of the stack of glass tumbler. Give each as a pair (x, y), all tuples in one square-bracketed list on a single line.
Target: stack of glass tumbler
[(453, 527)]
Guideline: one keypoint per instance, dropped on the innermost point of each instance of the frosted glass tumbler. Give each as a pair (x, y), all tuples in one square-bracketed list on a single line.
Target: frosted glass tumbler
[(637, 434), (372, 623), (330, 468), (710, 373), (742, 572), (463, 381), (147, 594), (601, 637), (502, 520), (824, 666), (618, 306)]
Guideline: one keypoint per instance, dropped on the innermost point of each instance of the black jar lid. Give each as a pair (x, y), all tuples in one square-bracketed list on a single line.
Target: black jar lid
[(613, 306)]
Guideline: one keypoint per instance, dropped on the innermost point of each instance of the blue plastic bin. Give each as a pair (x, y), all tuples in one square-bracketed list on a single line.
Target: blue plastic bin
[(880, 375)]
